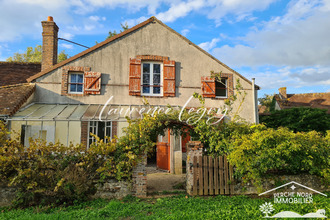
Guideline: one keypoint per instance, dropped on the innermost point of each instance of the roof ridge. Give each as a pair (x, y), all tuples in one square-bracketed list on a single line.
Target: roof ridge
[(308, 93), (150, 20)]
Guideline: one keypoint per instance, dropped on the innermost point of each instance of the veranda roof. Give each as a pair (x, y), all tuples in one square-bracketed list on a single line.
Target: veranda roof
[(82, 112)]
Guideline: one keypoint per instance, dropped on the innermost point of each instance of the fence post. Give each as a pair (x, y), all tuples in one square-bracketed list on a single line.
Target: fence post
[(194, 149)]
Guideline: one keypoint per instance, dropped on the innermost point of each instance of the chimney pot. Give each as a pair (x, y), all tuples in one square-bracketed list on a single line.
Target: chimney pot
[(49, 18), (282, 92)]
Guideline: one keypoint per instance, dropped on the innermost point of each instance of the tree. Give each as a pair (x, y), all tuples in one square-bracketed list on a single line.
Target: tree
[(113, 33), (34, 55), (268, 102)]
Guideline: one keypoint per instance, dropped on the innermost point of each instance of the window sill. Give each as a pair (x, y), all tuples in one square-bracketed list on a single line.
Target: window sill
[(75, 94), (153, 96), (220, 98)]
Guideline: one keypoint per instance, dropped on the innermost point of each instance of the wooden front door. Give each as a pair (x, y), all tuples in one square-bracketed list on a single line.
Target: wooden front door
[(163, 156)]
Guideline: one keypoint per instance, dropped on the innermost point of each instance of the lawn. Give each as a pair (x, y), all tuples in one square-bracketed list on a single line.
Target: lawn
[(173, 207)]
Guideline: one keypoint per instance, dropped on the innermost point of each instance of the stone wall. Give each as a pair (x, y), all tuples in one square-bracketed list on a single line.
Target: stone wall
[(140, 178), (7, 194), (311, 181), (194, 148), (113, 189)]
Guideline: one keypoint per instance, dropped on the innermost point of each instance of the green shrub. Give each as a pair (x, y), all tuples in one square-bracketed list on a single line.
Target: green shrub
[(280, 151), (53, 173), (299, 119)]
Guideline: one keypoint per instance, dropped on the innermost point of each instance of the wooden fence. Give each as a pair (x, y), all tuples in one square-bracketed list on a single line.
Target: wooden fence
[(212, 176)]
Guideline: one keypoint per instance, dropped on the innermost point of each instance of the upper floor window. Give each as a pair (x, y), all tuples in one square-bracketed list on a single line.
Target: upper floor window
[(151, 78), (221, 88), (76, 82), (152, 75)]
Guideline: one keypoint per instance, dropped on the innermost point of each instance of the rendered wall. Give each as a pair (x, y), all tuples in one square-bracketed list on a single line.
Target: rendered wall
[(112, 60)]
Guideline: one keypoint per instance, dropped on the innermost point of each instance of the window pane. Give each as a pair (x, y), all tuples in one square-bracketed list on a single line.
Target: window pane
[(156, 79), (73, 87), (79, 88), (73, 78), (146, 68), (146, 89), (80, 78), (146, 79), (156, 90), (221, 89), (108, 131), (156, 68)]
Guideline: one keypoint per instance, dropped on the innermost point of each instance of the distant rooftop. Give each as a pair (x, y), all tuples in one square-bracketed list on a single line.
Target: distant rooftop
[(14, 72)]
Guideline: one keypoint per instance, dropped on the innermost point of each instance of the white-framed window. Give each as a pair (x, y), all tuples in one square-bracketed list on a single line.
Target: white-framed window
[(101, 129), (76, 83), (152, 75), (221, 88)]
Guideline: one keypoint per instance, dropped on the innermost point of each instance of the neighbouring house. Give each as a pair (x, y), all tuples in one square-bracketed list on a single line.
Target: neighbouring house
[(12, 73), (93, 91), (14, 89), (311, 100)]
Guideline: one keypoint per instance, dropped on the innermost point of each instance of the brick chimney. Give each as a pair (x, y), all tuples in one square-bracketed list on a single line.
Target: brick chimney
[(282, 92), (49, 43)]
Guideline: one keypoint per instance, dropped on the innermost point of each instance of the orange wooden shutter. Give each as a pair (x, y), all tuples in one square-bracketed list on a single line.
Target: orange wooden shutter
[(92, 83), (135, 77), (208, 87), (169, 77)]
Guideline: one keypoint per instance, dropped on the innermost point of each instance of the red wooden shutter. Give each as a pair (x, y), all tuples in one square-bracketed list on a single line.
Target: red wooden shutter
[(92, 83), (208, 87), (169, 77), (135, 77)]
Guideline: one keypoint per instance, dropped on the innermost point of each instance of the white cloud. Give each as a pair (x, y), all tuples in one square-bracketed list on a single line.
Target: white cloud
[(209, 45), (180, 10), (89, 27), (67, 46), (299, 38), (184, 32), (66, 35), (133, 22), (16, 16), (313, 75), (96, 18)]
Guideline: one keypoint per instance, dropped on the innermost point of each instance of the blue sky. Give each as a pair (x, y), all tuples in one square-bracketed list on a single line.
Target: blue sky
[(278, 42)]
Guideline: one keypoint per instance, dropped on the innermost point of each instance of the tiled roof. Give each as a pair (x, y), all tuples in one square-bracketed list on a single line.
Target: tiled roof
[(13, 73), (118, 36), (313, 100), (13, 97)]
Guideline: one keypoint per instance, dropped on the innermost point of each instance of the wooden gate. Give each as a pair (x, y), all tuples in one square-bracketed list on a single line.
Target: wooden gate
[(212, 176)]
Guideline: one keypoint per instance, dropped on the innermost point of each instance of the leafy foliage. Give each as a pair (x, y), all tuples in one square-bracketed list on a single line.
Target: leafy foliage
[(175, 207), (267, 101), (265, 151), (299, 119), (55, 173), (34, 55), (113, 33)]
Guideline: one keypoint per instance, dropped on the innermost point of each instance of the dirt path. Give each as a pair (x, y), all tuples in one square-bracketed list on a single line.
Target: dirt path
[(158, 182)]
